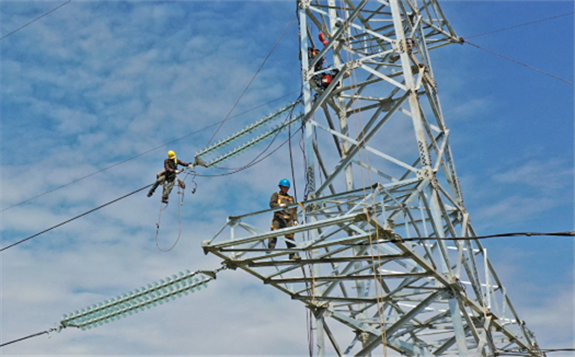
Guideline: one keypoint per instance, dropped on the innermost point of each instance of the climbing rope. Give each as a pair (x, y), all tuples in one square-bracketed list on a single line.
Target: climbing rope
[(181, 194)]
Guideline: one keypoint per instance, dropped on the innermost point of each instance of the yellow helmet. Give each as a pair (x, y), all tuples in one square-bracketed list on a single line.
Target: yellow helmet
[(171, 154)]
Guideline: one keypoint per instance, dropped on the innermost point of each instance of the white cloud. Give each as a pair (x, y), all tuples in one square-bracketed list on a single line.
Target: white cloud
[(97, 82), (547, 176)]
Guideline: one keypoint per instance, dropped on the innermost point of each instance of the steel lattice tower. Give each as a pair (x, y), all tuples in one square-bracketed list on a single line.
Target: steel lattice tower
[(383, 198)]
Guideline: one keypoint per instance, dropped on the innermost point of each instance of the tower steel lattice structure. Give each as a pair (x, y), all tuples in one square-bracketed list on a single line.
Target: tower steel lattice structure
[(379, 267)]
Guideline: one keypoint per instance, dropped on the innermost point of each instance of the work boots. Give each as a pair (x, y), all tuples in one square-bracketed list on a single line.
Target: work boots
[(294, 256)]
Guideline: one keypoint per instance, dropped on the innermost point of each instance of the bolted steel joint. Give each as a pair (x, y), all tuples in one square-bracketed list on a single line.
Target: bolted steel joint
[(399, 46), (304, 4), (424, 174)]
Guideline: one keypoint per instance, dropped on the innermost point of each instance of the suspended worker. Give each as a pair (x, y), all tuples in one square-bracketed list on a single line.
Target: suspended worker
[(284, 218), (168, 176)]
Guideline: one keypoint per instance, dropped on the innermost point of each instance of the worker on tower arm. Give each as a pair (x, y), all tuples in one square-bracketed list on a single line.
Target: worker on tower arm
[(284, 218), (168, 176)]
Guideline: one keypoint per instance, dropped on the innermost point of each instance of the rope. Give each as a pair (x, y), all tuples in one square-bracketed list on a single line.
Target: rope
[(36, 19), (140, 189), (357, 114), (181, 194), (291, 165), (74, 218), (158, 228), (520, 63), (251, 81)]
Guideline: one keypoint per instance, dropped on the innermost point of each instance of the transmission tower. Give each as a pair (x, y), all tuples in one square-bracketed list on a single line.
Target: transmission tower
[(383, 200)]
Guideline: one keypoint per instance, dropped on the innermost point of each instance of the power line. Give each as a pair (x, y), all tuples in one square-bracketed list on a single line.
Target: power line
[(30, 336), (501, 235), (251, 80), (227, 118), (523, 24), (245, 167), (74, 218), (142, 153), (528, 354), (36, 19), (520, 63)]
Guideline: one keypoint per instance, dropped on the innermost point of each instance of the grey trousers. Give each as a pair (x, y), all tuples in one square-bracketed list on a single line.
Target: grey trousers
[(168, 186)]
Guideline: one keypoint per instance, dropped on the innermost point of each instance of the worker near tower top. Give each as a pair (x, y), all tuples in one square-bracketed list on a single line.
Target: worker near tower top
[(284, 218), (168, 176)]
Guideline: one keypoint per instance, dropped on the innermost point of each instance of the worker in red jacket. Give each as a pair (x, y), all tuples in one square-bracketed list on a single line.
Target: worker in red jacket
[(168, 176)]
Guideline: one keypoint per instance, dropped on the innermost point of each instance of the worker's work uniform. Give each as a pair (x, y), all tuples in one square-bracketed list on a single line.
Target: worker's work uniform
[(283, 219), (167, 178)]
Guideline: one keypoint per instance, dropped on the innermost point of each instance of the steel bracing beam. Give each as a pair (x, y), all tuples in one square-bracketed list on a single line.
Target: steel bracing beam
[(379, 116)]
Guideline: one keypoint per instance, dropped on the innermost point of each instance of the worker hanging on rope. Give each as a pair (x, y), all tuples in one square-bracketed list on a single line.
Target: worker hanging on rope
[(284, 218), (168, 176)]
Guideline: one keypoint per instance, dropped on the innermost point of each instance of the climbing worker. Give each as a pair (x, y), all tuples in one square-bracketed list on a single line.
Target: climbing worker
[(168, 176), (284, 218), (312, 53)]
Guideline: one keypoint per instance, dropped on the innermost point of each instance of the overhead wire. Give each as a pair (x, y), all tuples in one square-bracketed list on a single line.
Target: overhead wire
[(141, 154), (247, 166), (528, 354), (523, 24), (251, 80), (254, 162), (511, 59), (501, 235), (30, 336), (520, 63), (74, 218), (36, 19), (227, 117)]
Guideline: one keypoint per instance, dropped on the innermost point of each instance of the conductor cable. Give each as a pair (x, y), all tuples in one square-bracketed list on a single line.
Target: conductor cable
[(74, 218)]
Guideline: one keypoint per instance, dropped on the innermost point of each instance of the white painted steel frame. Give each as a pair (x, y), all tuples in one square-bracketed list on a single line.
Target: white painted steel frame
[(428, 297)]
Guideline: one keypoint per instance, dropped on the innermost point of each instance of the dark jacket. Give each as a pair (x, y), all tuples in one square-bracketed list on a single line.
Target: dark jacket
[(279, 198), (170, 166)]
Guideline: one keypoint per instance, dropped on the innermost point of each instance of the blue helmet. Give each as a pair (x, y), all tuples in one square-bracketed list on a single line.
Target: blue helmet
[(285, 183)]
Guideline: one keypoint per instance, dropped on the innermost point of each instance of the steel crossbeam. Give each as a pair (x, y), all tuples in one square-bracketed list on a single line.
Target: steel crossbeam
[(380, 115)]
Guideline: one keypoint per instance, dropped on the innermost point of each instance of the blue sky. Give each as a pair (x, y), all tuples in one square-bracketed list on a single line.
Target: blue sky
[(98, 82)]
